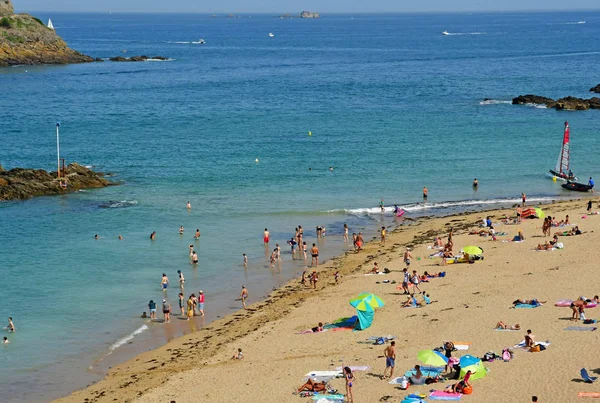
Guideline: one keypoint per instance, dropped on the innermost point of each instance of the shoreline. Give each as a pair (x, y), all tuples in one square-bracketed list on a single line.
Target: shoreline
[(145, 371)]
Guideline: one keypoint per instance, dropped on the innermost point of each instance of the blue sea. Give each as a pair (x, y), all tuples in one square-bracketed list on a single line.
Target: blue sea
[(391, 103)]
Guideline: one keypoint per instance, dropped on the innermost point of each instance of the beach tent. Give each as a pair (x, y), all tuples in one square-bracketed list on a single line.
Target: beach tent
[(477, 370), (365, 305)]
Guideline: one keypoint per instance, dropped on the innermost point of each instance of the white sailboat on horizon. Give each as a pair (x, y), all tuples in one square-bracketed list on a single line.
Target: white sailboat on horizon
[(50, 24)]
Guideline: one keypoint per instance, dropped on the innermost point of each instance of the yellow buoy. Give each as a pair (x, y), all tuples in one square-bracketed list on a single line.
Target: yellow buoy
[(310, 133), (554, 178)]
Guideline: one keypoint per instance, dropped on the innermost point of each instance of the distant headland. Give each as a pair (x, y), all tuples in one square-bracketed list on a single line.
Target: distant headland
[(303, 14), (27, 40), (21, 184)]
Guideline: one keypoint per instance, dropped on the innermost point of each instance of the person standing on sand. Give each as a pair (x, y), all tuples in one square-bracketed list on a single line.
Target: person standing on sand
[(589, 206), (405, 281), (244, 296), (166, 308), (201, 302), (345, 232), (390, 359), (359, 241), (383, 233), (382, 206), (425, 193), (164, 283), (519, 214), (336, 277), (314, 252), (152, 308), (523, 199), (407, 257), (415, 281), (349, 377)]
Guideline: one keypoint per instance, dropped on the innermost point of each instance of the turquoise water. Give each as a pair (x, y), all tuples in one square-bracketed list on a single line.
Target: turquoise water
[(392, 105)]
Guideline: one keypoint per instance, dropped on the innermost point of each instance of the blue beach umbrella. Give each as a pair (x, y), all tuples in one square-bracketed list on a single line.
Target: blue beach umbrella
[(468, 360)]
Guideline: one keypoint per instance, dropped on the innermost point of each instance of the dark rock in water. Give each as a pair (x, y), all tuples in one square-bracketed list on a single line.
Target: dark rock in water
[(309, 14), (531, 99), (595, 89), (98, 59), (136, 58), (572, 104), (20, 183)]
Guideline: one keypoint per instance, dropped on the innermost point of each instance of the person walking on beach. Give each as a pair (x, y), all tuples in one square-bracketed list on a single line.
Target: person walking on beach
[(523, 199), (425, 193), (390, 359), (152, 308), (415, 281), (244, 296), (405, 281), (383, 233), (345, 232), (407, 257), (11, 326), (201, 302), (382, 206), (314, 252), (349, 377), (589, 206), (166, 308), (359, 242), (164, 283), (181, 304), (591, 183), (314, 278), (197, 234)]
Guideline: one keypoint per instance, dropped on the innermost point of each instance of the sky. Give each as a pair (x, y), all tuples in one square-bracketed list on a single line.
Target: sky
[(295, 6)]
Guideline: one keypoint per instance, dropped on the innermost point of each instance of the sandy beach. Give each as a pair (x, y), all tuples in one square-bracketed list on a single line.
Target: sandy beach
[(470, 300)]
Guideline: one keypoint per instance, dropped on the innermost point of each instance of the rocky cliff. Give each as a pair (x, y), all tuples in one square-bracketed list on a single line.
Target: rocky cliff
[(566, 103), (595, 89), (26, 40), (19, 183)]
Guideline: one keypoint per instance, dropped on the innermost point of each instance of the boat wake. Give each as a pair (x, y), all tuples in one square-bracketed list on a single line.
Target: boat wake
[(423, 207), (575, 23), (127, 338), (463, 33), (180, 42), (494, 102), (118, 204)]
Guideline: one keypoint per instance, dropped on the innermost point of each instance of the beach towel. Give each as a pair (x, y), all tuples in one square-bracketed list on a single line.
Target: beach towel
[(589, 394), (342, 324), (328, 398), (427, 373), (522, 344), (376, 274), (527, 306), (309, 331), (586, 377), (388, 337), (355, 368), (440, 395), (461, 345), (506, 330), (323, 376), (581, 328)]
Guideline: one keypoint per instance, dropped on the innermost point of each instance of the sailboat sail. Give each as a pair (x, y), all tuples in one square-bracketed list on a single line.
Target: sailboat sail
[(563, 164), (50, 24)]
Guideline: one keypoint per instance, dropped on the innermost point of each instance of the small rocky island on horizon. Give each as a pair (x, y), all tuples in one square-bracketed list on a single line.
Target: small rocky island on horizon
[(303, 14)]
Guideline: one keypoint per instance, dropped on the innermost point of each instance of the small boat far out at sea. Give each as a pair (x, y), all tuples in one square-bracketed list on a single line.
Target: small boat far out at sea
[(562, 171), (271, 35), (200, 42), (445, 33)]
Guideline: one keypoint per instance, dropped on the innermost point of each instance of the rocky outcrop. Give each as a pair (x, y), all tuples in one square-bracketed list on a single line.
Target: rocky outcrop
[(136, 58), (20, 183), (309, 14), (26, 40), (6, 8), (595, 89), (566, 103)]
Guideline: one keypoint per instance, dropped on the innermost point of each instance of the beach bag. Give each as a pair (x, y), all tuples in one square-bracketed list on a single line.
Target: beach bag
[(541, 347), (506, 356), (489, 356), (535, 349), (404, 383), (386, 270), (380, 340)]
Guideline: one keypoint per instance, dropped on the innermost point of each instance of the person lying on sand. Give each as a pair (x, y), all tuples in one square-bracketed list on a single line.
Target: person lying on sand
[(502, 325), (458, 387), (318, 328), (528, 302), (544, 246), (313, 386)]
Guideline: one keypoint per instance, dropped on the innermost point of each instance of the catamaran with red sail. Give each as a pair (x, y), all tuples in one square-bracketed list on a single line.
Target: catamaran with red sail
[(562, 170)]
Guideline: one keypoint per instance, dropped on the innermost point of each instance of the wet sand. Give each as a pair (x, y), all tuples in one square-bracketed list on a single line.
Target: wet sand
[(470, 300)]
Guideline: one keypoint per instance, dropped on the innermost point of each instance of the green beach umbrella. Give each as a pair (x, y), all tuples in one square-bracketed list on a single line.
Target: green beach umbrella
[(432, 357), (472, 250), (367, 302), (540, 213), (477, 371)]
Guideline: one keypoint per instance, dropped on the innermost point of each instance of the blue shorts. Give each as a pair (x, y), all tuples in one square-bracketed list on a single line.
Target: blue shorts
[(165, 285), (201, 306), (389, 362)]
